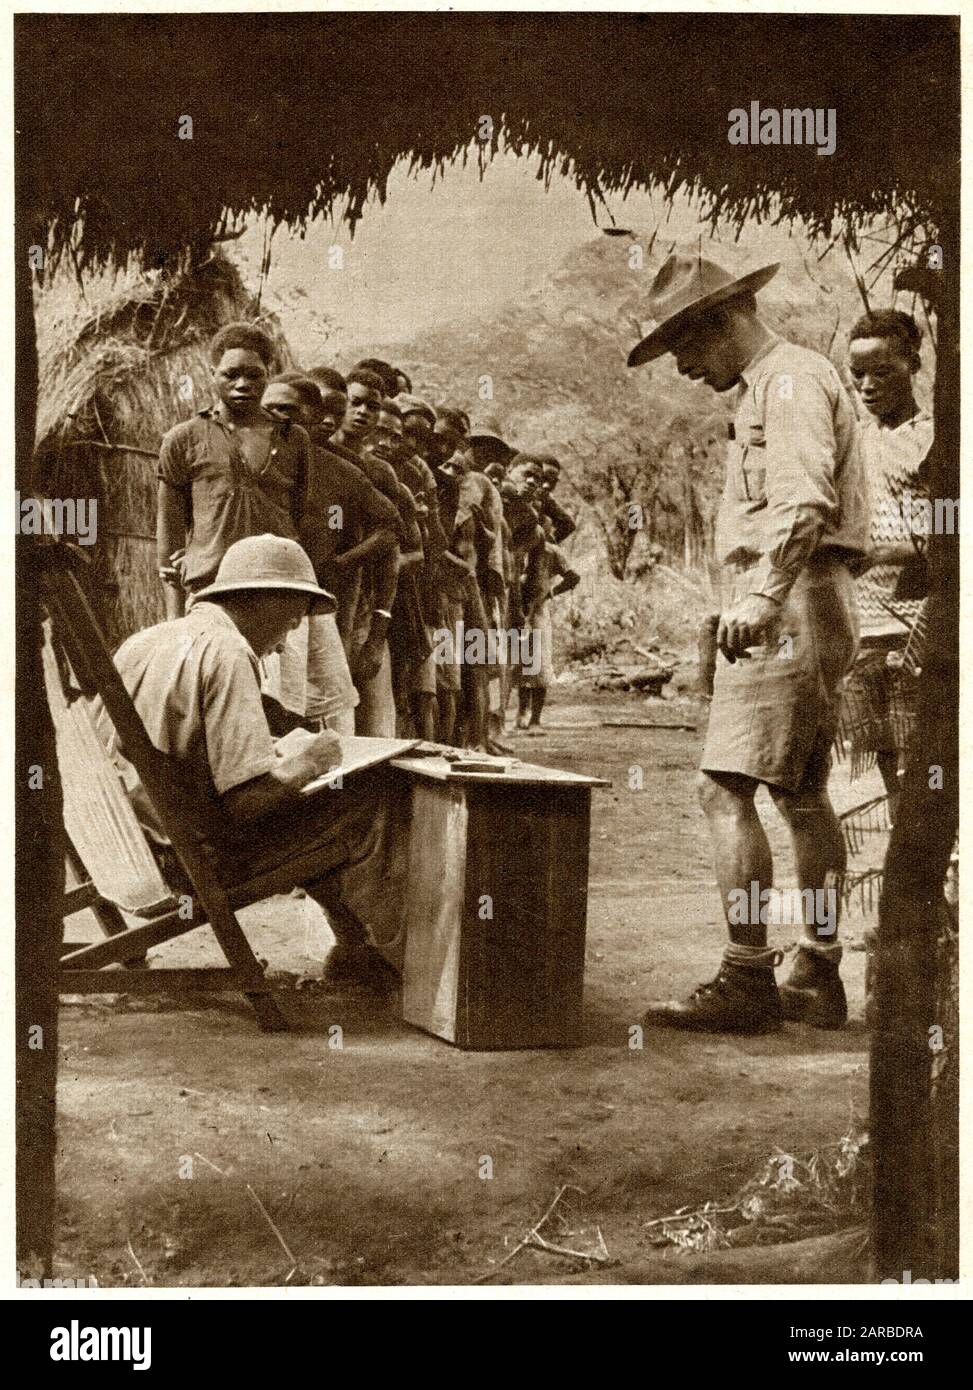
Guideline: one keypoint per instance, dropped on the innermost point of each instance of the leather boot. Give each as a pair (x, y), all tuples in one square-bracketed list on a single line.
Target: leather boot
[(359, 964), (812, 992), (742, 999)]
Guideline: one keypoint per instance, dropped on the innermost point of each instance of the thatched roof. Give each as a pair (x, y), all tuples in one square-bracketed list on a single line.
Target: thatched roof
[(296, 114), (111, 357)]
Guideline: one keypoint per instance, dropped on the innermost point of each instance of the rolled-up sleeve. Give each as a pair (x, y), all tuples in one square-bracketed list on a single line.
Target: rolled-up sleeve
[(173, 466), (239, 745), (802, 498)]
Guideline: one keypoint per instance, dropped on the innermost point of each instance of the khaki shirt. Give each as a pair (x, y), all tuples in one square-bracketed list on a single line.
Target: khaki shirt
[(195, 685), (795, 482)]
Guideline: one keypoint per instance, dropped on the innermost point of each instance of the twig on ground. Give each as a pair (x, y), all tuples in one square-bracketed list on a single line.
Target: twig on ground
[(197, 1154), (540, 1243), (138, 1264), (283, 1243), (533, 1236)]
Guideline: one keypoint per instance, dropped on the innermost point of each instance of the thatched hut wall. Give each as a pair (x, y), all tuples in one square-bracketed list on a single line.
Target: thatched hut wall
[(119, 366)]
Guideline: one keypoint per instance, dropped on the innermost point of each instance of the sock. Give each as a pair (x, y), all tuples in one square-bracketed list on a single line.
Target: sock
[(752, 957)]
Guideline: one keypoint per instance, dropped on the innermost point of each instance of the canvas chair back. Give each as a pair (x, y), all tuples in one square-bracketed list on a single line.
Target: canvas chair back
[(78, 640), (98, 815)]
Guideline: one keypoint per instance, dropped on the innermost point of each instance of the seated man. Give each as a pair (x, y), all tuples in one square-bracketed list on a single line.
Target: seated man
[(194, 682)]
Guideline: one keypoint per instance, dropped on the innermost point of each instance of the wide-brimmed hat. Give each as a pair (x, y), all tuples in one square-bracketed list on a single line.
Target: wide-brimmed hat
[(488, 427), (686, 285), (261, 563), (414, 405)]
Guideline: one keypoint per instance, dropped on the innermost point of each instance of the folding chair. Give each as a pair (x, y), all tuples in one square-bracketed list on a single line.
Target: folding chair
[(109, 851)]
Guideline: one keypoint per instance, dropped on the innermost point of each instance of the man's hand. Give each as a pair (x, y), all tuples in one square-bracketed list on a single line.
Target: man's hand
[(174, 571), (746, 625), (324, 751), (172, 576), (495, 587), (369, 660), (457, 563)]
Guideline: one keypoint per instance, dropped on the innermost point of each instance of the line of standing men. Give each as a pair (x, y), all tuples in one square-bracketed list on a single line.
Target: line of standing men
[(419, 523)]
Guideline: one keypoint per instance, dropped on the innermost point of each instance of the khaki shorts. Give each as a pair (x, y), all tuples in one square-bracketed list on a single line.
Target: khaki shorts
[(774, 715)]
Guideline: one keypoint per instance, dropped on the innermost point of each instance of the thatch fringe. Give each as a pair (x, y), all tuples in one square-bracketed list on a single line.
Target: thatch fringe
[(293, 117), (119, 366)]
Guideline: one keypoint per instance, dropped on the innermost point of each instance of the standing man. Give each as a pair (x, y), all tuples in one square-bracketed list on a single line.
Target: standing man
[(230, 472), (793, 518), (883, 358), (562, 523), (347, 523), (368, 648)]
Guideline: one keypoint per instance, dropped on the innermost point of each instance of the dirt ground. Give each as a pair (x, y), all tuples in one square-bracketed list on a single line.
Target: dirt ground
[(177, 1124)]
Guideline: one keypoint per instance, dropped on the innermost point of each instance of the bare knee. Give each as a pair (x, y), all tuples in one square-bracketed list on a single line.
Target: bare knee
[(723, 794), (797, 807)]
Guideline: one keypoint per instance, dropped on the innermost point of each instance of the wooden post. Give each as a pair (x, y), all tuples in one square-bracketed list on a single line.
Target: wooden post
[(914, 1167), (39, 874)]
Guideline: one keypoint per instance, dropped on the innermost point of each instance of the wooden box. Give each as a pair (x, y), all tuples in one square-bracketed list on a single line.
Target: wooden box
[(496, 904)]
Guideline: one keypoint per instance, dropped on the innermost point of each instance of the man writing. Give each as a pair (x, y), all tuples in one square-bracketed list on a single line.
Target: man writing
[(793, 516), (194, 682)]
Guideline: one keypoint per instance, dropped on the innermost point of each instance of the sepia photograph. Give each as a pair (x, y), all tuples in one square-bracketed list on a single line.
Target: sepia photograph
[(486, 745)]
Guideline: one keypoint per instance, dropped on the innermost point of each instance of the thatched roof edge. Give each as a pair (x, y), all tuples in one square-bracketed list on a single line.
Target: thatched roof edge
[(300, 115)]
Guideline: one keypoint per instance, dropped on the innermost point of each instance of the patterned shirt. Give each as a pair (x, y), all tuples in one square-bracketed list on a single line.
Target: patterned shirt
[(795, 483), (892, 459)]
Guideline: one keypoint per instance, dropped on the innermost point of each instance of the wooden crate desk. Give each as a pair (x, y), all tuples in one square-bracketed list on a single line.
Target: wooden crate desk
[(496, 904)]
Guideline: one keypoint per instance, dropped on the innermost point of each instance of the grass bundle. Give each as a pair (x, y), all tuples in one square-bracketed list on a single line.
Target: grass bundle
[(788, 1199)]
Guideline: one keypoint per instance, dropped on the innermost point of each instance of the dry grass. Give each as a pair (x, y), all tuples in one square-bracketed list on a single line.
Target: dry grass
[(788, 1199)]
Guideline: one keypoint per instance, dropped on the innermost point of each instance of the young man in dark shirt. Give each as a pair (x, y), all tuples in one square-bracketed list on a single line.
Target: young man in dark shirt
[(334, 402), (348, 520), (229, 472)]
